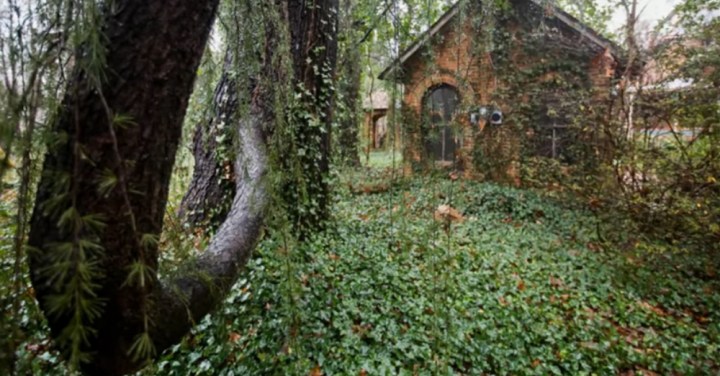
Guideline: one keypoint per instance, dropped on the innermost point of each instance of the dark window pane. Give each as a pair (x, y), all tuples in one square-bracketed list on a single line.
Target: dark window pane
[(440, 105)]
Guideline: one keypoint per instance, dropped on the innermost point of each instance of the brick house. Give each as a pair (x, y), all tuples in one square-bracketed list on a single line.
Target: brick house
[(472, 63), (374, 127)]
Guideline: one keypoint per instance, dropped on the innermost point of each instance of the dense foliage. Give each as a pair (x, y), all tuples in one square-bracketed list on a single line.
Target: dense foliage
[(523, 285), (602, 258)]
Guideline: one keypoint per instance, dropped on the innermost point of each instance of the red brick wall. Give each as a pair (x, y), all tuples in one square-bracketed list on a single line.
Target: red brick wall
[(455, 61), (458, 60)]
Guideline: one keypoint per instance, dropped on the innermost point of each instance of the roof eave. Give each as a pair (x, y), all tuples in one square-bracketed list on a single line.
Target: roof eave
[(563, 16), (419, 43)]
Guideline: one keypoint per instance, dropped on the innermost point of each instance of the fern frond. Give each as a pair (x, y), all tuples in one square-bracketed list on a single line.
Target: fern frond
[(139, 275), (142, 348), (123, 121), (106, 182), (69, 220), (94, 222), (149, 241)]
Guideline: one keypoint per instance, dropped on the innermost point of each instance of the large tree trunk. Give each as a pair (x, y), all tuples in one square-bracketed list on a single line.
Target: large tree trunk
[(212, 188), (154, 49), (313, 44), (313, 41)]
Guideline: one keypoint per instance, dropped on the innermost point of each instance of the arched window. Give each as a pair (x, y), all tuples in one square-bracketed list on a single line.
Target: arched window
[(439, 107)]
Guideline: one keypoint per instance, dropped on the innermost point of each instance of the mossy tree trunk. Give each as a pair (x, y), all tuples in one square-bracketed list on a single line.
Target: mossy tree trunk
[(303, 147), (212, 188), (313, 46), (102, 196), (100, 203)]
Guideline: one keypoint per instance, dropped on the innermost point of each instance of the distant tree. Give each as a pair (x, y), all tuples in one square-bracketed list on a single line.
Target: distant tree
[(590, 12), (350, 78)]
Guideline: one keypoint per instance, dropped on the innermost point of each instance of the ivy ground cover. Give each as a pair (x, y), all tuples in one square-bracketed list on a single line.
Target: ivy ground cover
[(514, 284), (500, 281)]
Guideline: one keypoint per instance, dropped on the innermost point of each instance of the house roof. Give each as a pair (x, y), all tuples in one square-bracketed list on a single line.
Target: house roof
[(379, 100), (584, 30)]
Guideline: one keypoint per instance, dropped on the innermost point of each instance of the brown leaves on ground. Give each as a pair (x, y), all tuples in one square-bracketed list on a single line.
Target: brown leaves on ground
[(361, 329), (638, 372), (234, 337), (560, 298), (556, 282), (657, 310), (594, 203), (446, 213), (369, 189), (316, 371)]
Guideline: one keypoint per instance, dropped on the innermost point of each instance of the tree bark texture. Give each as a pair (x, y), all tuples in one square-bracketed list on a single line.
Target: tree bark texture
[(212, 188), (313, 33), (313, 44), (153, 51)]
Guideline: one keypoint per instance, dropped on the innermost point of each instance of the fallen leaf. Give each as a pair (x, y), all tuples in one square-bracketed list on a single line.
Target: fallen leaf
[(556, 282), (521, 285), (372, 189), (448, 213), (594, 247), (589, 345), (316, 371), (234, 337), (708, 290), (361, 330), (645, 372), (710, 271), (650, 307)]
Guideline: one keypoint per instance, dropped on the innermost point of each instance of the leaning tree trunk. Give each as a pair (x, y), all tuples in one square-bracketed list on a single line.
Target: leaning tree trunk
[(101, 199)]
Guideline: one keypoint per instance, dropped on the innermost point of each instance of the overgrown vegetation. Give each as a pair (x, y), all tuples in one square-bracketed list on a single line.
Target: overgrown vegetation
[(580, 236), (523, 284)]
